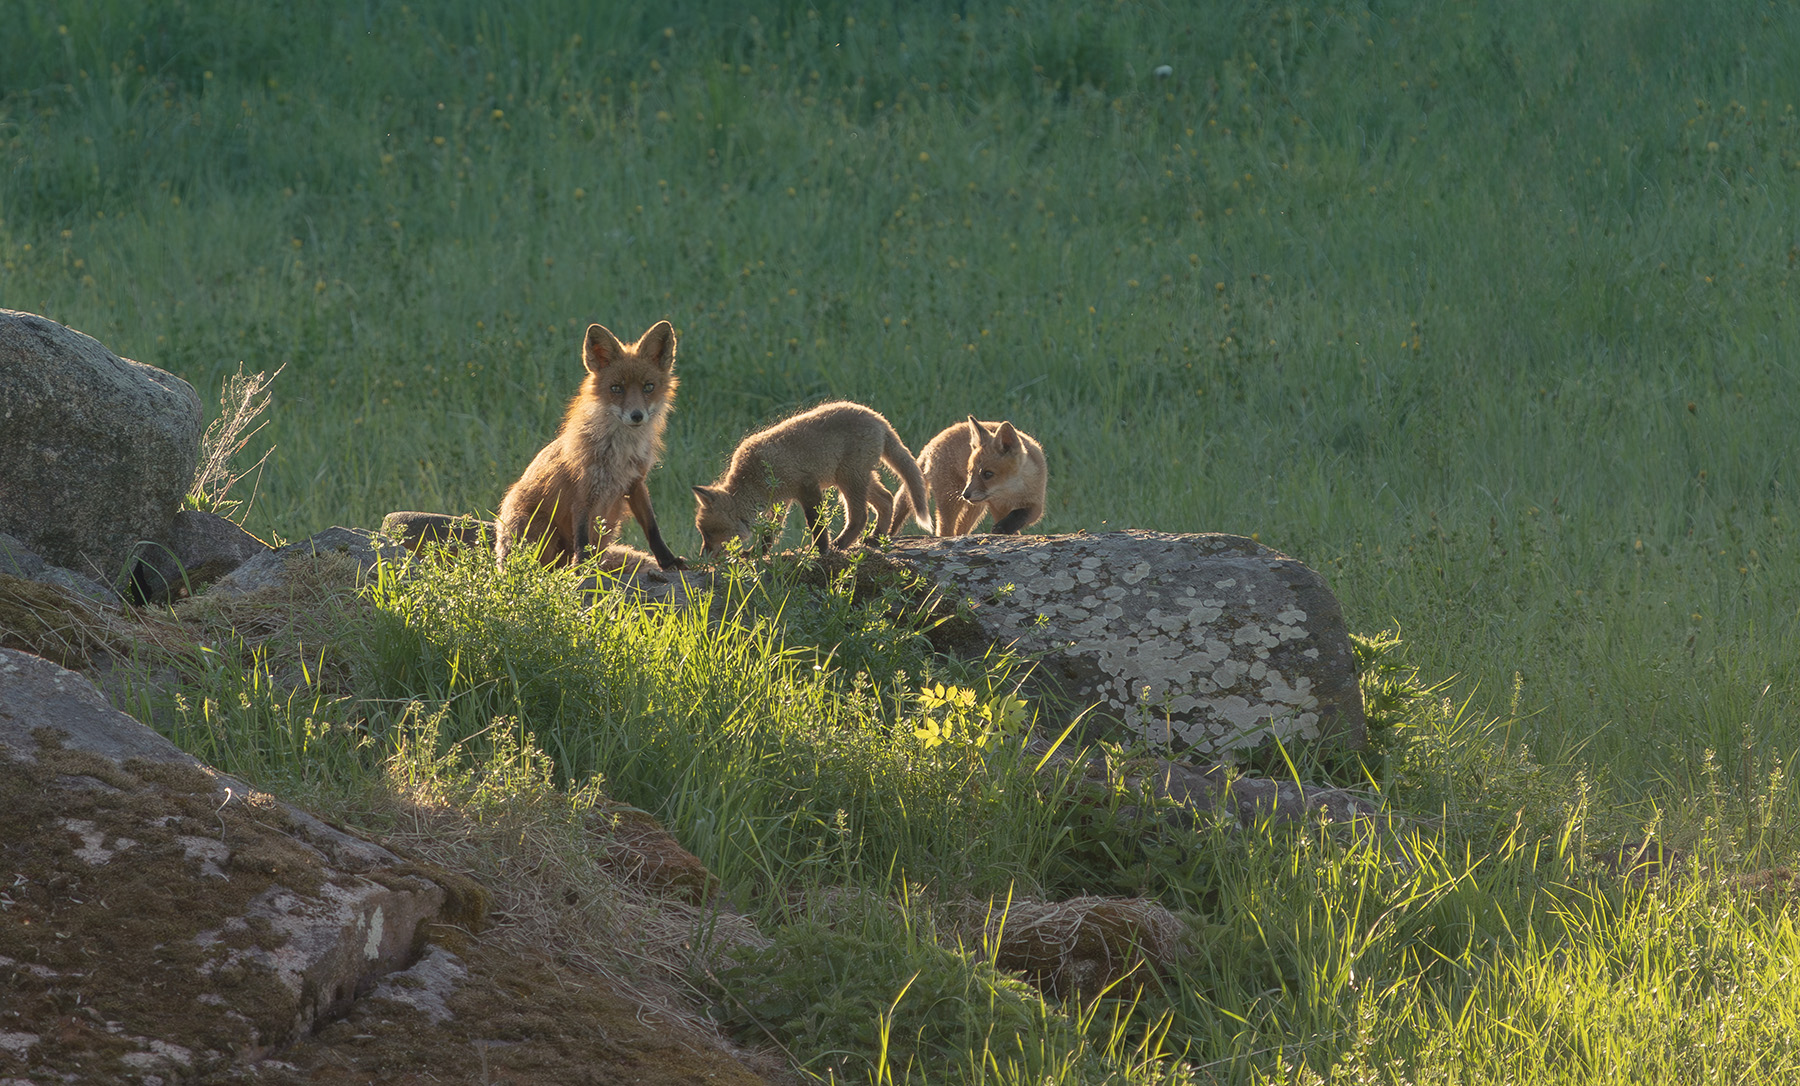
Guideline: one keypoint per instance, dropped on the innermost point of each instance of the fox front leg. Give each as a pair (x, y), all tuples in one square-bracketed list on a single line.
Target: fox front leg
[(639, 497), (584, 527), (1013, 521), (810, 500)]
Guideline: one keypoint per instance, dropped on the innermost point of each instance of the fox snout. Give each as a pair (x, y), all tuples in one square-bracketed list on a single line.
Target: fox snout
[(633, 414)]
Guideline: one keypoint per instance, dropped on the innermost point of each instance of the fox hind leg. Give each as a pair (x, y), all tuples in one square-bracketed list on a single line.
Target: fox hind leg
[(884, 503), (856, 509)]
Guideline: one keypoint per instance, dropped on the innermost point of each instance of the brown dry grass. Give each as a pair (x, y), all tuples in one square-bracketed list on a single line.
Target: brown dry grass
[(1082, 946), (554, 891), (67, 627)]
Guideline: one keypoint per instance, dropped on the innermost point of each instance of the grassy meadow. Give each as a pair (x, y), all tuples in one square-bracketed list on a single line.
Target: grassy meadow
[(1489, 312)]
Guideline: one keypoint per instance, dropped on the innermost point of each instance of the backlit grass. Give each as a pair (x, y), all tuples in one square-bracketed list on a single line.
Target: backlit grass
[(1488, 312)]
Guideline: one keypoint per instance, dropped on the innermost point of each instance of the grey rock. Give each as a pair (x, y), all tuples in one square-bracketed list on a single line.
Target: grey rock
[(1202, 792), (269, 568), (259, 907), (36, 694), (20, 561), (1203, 646), (1251, 799), (96, 451), (414, 530), (202, 548), (427, 985)]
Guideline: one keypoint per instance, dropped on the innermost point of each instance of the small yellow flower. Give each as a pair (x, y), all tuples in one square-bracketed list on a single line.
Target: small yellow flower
[(924, 156), (499, 113)]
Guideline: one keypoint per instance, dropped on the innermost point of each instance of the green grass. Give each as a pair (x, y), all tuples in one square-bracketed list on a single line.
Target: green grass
[(1488, 312)]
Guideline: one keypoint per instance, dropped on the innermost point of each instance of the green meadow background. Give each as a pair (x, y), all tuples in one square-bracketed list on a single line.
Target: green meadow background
[(1489, 312)]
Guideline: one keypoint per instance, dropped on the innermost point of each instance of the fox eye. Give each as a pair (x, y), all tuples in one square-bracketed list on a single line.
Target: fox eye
[(618, 390), (649, 386), (986, 474)]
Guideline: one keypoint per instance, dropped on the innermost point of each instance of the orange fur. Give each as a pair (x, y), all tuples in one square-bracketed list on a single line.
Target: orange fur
[(597, 467), (792, 462), (975, 468)]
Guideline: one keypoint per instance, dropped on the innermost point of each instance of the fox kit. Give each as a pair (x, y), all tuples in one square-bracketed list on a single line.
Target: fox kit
[(978, 468), (596, 467), (834, 444)]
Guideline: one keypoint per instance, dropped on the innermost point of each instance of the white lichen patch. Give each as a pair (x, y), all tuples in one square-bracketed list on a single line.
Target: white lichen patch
[(372, 944), (211, 854), (1194, 642), (17, 1043), (159, 1054), (427, 985), (93, 850)]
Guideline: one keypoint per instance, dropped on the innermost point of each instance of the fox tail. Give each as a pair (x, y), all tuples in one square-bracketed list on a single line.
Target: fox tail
[(897, 456)]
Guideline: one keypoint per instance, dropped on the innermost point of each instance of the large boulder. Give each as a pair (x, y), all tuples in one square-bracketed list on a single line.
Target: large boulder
[(162, 918), (96, 451), (1205, 646)]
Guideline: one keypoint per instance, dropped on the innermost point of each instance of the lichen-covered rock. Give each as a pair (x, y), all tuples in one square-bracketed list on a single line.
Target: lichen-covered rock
[(202, 548), (1201, 645), (1248, 800), (198, 923), (96, 451)]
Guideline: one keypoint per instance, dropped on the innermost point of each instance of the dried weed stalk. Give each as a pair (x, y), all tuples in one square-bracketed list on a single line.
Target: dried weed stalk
[(242, 401)]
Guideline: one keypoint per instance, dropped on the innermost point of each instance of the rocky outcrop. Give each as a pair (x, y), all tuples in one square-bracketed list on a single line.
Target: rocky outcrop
[(1200, 645), (194, 922), (18, 560), (202, 548), (96, 451), (269, 568)]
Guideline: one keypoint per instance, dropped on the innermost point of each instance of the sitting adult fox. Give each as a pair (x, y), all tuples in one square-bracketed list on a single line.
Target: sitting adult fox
[(599, 462), (834, 444)]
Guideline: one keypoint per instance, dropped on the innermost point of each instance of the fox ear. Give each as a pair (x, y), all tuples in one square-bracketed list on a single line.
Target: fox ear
[(1007, 437), (977, 433), (657, 346), (706, 494), (601, 348)]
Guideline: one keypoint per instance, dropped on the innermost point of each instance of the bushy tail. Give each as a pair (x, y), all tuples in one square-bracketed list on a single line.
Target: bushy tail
[(897, 456)]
